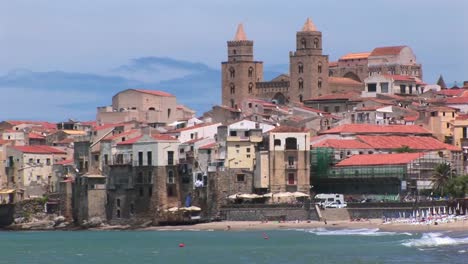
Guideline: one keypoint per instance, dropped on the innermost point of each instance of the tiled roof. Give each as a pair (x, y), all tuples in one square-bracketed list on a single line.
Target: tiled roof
[(154, 92), (240, 33), (37, 123), (334, 96), (342, 144), (35, 136), (287, 129), (208, 146), (379, 159), (39, 149), (228, 108), (63, 162), (65, 141), (403, 78), (190, 128), (2, 142), (126, 133), (355, 56), (161, 137), (413, 142), (384, 51), (344, 81), (377, 129), (262, 102), (456, 100), (106, 126), (332, 64)]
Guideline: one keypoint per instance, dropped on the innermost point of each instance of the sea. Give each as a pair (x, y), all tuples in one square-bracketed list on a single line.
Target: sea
[(194, 246)]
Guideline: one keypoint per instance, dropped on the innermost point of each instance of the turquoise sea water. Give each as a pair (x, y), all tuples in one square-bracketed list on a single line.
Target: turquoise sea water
[(282, 246)]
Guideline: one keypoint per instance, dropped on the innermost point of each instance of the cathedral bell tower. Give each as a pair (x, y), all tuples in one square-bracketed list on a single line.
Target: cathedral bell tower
[(308, 67), (240, 73)]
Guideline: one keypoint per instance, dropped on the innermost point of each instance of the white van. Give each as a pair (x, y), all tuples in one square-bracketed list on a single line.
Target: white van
[(330, 200)]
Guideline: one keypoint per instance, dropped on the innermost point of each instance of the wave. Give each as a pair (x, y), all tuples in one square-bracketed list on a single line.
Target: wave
[(351, 232), (435, 240)]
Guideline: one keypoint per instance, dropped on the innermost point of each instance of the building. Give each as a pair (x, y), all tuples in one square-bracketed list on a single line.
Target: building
[(392, 84), (242, 76)]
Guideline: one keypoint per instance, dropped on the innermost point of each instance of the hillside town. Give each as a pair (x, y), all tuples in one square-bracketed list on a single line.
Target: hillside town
[(367, 127)]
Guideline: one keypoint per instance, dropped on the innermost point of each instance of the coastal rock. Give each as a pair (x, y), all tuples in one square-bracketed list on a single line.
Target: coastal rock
[(39, 225), (93, 222), (20, 220), (59, 219), (146, 224)]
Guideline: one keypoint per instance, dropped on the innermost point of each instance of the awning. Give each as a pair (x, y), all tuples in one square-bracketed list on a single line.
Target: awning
[(7, 191)]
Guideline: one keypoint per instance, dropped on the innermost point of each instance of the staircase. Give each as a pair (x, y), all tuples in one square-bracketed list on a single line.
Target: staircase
[(335, 214)]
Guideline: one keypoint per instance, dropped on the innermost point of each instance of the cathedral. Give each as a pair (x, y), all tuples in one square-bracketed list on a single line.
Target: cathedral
[(311, 75)]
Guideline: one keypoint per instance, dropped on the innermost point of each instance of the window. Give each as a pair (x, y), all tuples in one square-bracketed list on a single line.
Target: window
[(106, 159), (139, 177), (118, 213), (319, 68), (371, 87), (248, 156), (325, 109), (118, 202), (250, 88), (233, 133), (291, 143), (301, 98), (248, 150), (300, 84), (402, 88), (170, 158), (237, 146), (290, 160), (240, 177), (300, 67), (149, 156), (443, 113), (337, 109), (411, 89), (250, 72), (448, 125), (453, 114), (316, 43), (277, 142), (250, 105), (384, 87), (48, 161), (30, 161), (319, 83), (96, 158), (151, 109), (232, 72), (141, 192), (38, 161), (38, 177), (303, 43), (170, 177), (291, 179), (233, 88), (140, 158)]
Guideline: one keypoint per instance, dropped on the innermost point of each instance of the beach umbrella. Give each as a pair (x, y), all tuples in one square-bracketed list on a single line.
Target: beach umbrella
[(445, 212), (458, 206), (249, 196), (283, 194), (191, 208), (417, 213), (233, 196), (450, 210), (268, 195), (399, 214), (299, 194), (173, 209), (438, 212)]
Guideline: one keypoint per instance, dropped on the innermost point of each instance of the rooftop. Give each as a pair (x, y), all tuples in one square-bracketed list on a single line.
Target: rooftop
[(377, 129), (385, 51), (342, 144), (355, 56), (344, 81), (413, 142), (379, 159), (309, 26), (288, 129), (39, 149), (240, 33), (155, 92)]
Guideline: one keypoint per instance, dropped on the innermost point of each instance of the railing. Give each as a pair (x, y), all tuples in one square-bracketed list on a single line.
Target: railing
[(290, 166)]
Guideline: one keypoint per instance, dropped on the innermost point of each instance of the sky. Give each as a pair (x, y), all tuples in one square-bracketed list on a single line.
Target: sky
[(62, 59)]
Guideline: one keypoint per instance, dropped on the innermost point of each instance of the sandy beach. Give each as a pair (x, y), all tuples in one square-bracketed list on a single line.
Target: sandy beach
[(274, 225)]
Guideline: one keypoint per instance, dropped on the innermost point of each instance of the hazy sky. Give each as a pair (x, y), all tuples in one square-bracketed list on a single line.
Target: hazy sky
[(93, 35)]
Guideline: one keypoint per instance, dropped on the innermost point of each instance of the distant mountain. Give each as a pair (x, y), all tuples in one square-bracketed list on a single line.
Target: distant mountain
[(58, 95)]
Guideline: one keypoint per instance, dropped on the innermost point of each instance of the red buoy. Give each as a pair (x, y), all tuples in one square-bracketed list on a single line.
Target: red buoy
[(181, 245)]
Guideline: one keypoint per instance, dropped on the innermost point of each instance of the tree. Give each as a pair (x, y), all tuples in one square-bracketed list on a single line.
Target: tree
[(457, 187), (442, 175), (404, 149)]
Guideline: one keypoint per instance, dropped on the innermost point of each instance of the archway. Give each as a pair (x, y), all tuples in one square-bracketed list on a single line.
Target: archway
[(353, 76), (279, 98)]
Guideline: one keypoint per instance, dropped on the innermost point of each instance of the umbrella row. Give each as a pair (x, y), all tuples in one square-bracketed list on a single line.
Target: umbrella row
[(268, 195), (189, 209)]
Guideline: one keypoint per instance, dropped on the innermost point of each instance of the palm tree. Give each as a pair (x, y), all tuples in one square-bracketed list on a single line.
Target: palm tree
[(442, 175)]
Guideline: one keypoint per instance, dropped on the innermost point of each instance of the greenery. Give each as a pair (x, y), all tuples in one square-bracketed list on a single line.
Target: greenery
[(404, 149), (447, 182), (457, 187), (442, 175)]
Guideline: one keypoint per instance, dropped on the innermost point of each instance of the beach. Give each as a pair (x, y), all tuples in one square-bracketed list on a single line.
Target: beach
[(275, 225)]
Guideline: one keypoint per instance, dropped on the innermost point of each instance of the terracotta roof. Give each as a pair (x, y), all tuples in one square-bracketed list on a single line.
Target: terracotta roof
[(63, 162), (402, 78), (456, 100), (262, 102), (379, 159), (38, 123), (334, 96), (65, 141), (369, 108), (154, 92), (413, 142), (125, 133), (240, 33), (342, 144), (344, 81), (190, 128), (208, 146), (161, 137), (355, 56), (106, 126), (377, 129), (287, 129), (309, 26), (35, 136), (384, 51), (39, 149), (332, 64), (2, 142)]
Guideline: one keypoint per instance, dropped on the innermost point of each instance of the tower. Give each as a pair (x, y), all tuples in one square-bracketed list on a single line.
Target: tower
[(240, 73), (308, 67)]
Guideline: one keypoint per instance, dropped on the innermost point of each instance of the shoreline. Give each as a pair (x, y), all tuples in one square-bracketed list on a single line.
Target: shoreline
[(274, 225)]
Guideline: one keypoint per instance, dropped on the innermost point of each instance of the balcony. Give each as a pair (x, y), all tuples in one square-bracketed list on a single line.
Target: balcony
[(291, 166)]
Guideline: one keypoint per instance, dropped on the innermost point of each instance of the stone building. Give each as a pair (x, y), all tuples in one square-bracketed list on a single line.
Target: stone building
[(393, 60), (242, 76)]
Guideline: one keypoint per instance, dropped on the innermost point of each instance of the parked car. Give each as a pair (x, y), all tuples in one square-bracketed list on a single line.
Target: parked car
[(336, 205)]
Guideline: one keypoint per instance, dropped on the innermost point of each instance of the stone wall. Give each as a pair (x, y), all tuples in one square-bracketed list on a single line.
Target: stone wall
[(271, 213)]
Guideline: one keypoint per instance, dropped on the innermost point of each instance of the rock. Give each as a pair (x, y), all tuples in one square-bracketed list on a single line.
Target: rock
[(39, 225), (20, 220), (93, 222), (59, 219), (62, 225), (146, 224)]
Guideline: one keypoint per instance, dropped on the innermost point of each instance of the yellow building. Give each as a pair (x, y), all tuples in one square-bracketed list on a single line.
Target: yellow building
[(438, 119), (241, 151)]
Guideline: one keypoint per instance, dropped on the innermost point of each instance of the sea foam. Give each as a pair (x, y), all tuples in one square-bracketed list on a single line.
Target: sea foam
[(351, 232), (435, 240)]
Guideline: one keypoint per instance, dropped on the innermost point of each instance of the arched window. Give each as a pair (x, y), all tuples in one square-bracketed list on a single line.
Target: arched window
[(233, 88), (170, 177), (316, 43), (303, 43), (291, 143), (300, 84), (232, 103), (300, 98), (168, 113), (300, 67), (151, 109), (232, 72), (250, 88), (319, 83), (234, 52), (250, 72), (319, 67)]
